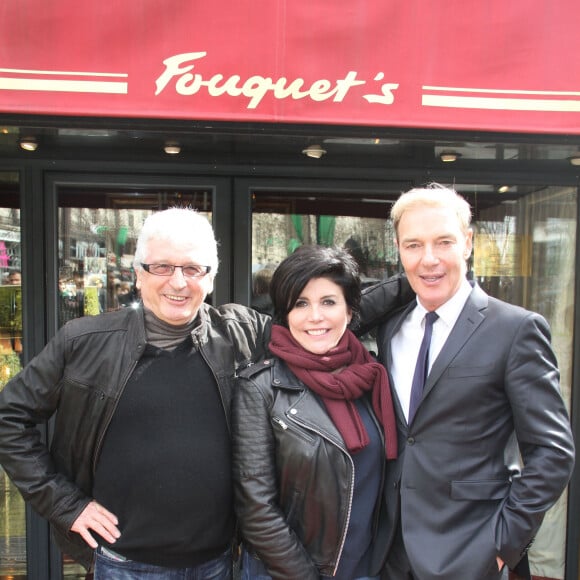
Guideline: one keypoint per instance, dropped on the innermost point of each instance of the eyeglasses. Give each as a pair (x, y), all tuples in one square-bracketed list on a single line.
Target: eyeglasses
[(169, 269)]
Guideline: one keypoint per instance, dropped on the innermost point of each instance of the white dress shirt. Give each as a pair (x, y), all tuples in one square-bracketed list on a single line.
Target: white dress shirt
[(406, 342)]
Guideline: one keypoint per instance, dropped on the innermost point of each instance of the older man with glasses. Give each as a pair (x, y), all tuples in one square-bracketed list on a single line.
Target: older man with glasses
[(137, 478)]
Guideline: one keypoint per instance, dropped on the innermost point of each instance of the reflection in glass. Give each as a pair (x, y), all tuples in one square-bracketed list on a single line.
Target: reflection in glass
[(368, 236), (524, 253), (368, 239), (96, 249), (12, 508)]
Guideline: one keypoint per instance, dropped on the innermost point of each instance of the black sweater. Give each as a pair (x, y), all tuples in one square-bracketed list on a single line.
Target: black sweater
[(165, 465)]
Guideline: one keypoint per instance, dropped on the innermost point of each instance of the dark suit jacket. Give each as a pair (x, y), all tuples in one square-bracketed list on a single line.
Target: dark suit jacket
[(463, 499)]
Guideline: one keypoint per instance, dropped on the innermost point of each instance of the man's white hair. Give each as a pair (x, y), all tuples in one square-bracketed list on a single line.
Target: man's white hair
[(178, 225)]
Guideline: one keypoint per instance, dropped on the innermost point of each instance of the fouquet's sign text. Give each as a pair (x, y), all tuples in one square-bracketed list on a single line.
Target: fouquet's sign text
[(181, 74)]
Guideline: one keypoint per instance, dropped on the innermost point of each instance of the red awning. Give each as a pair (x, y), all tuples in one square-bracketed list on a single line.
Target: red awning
[(487, 65)]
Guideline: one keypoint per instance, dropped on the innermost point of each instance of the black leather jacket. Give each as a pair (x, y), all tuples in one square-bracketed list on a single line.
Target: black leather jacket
[(78, 378), (293, 476)]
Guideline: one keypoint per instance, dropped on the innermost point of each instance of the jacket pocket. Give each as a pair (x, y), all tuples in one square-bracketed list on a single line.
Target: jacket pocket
[(486, 489), (460, 372)]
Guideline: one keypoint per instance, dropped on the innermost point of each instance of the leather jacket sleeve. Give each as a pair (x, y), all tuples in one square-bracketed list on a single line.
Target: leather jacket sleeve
[(380, 301), (27, 401), (262, 522)]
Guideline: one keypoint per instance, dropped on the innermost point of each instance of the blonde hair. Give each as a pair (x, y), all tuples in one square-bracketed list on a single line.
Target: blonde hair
[(434, 195)]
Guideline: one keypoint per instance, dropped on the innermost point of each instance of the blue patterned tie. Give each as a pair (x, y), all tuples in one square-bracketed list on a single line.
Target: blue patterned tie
[(422, 365)]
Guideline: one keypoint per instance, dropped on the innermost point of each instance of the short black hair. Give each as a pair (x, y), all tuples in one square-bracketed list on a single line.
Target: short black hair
[(307, 263)]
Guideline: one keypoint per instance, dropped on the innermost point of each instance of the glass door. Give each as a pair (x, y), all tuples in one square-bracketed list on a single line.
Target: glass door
[(525, 253), (97, 229), (12, 508)]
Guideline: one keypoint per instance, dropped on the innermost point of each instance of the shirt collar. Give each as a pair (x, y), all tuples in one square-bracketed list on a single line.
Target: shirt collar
[(450, 311)]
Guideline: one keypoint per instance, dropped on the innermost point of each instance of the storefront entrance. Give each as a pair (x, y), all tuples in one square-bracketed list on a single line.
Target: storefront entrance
[(525, 253)]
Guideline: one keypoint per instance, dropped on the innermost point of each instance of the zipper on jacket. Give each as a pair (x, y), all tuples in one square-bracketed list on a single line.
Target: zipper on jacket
[(351, 487), (280, 422), (245, 365)]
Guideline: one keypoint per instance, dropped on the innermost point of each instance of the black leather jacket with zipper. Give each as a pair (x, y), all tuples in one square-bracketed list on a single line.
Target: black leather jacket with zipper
[(78, 379), (293, 477)]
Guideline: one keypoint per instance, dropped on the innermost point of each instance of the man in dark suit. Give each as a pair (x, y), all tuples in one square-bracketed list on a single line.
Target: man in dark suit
[(466, 497)]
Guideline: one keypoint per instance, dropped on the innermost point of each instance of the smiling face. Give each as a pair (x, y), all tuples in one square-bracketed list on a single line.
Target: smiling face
[(174, 299), (320, 316), (433, 250)]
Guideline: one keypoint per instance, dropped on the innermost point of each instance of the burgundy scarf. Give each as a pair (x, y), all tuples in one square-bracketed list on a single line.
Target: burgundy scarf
[(339, 390)]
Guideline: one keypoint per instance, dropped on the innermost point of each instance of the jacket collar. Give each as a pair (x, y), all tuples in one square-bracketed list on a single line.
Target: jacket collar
[(283, 378)]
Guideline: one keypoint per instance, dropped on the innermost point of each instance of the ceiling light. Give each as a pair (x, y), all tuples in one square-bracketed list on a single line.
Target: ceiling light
[(172, 148), (574, 160), (314, 151), (28, 143), (503, 188), (449, 156)]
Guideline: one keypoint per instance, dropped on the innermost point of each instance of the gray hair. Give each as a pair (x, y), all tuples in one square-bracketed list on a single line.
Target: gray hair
[(178, 224), (434, 195)]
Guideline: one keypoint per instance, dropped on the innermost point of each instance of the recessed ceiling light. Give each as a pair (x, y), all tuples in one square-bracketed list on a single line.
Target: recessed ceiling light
[(449, 156), (314, 151), (28, 143), (172, 148), (574, 160)]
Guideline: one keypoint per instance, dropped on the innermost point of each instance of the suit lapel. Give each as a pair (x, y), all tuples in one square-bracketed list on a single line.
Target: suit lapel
[(472, 315)]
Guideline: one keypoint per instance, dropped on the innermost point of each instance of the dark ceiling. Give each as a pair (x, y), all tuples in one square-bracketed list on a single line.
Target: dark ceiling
[(484, 161), (282, 143)]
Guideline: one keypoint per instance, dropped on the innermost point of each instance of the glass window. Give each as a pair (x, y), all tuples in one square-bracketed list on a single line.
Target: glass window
[(356, 222), (98, 233), (524, 253), (12, 510)]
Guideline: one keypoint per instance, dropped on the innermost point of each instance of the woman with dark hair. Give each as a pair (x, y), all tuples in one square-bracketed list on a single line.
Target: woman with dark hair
[(312, 428)]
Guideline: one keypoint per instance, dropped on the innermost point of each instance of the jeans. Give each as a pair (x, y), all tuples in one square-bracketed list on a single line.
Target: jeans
[(109, 567), (253, 569)]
